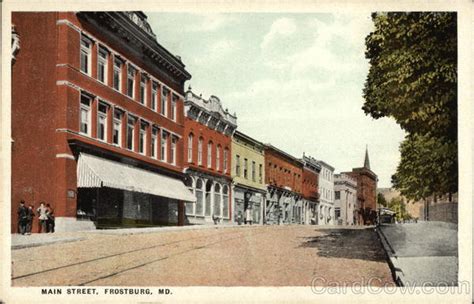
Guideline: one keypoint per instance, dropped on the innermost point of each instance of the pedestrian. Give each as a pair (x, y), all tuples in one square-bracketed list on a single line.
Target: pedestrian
[(31, 215), (50, 220), (22, 217), (42, 218)]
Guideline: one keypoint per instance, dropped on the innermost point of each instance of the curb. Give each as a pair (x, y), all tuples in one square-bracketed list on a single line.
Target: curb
[(397, 272), (50, 242)]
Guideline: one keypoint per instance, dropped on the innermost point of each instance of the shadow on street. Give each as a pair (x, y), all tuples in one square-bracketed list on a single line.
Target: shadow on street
[(347, 243)]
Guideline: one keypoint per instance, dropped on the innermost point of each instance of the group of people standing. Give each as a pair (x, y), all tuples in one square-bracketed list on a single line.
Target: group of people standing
[(26, 215)]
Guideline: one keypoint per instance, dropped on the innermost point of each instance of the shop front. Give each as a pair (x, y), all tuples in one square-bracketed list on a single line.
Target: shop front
[(248, 204)]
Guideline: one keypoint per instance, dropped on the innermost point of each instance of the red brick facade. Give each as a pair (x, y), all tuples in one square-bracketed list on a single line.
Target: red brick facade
[(281, 170), (47, 85), (310, 184)]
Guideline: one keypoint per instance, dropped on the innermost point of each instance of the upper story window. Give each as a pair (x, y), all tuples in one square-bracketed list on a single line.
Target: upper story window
[(143, 90), (102, 65), (218, 158), (174, 141), (245, 168), (85, 118), (190, 148), (237, 165), (130, 133), (200, 151), (164, 101), (209, 154), (253, 171), (117, 77), (154, 140), (102, 121), (154, 95), (173, 108), (260, 173), (226, 155), (131, 81), (164, 145), (117, 131), (142, 138), (337, 195), (86, 45)]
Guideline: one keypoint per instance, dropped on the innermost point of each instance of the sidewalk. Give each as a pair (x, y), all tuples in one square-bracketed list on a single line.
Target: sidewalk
[(421, 253), (40, 239)]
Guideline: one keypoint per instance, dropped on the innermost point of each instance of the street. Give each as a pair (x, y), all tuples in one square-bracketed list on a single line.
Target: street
[(231, 256)]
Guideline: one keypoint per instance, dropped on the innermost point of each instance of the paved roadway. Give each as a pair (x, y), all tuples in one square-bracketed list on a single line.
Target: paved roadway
[(232, 256)]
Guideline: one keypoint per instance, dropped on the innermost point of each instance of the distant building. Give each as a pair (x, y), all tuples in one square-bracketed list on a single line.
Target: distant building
[(366, 190), (208, 130), (345, 199), (248, 190), (326, 214), (311, 171), (283, 176)]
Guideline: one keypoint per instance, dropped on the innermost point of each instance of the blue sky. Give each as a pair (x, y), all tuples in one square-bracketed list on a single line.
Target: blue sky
[(294, 80)]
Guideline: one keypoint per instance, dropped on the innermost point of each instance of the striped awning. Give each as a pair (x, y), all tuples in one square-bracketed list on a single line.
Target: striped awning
[(94, 172)]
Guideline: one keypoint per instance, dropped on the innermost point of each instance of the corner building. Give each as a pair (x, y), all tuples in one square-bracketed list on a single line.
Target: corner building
[(208, 133), (248, 175), (97, 121), (284, 179)]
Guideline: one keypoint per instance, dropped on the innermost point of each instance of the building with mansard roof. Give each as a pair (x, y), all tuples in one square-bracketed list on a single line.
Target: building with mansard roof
[(97, 120)]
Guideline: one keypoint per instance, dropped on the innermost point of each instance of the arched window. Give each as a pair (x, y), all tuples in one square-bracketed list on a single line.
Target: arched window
[(190, 147), (208, 198), (218, 158), (209, 154), (225, 201), (200, 151), (226, 157), (217, 199), (199, 197)]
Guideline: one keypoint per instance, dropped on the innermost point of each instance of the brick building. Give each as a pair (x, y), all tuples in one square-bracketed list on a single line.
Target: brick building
[(208, 132), (311, 170), (97, 120), (248, 176), (284, 179), (366, 191)]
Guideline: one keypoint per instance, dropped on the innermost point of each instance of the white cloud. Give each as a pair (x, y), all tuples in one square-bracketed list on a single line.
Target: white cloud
[(211, 22), (281, 27)]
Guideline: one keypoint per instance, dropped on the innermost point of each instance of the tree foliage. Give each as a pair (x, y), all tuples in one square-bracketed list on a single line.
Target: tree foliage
[(381, 200), (413, 79)]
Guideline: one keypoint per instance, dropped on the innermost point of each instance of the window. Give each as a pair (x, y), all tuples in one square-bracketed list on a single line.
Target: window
[(226, 152), (225, 201), (173, 150), (190, 148), (173, 107), (260, 173), (245, 168), (142, 138), (337, 195), (253, 171), (117, 138), (130, 131), (102, 121), (237, 165), (218, 158), (164, 101), (85, 115), (131, 81), (154, 94), (164, 145), (200, 151), (117, 79), (209, 154), (143, 90), (217, 200), (102, 65), (154, 139), (199, 197), (86, 55)]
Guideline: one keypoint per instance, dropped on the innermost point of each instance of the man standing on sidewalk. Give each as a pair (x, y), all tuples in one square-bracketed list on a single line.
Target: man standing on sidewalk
[(31, 215), (22, 217), (42, 218)]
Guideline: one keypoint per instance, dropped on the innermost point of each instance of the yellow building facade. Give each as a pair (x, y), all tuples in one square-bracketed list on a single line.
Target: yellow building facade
[(248, 176)]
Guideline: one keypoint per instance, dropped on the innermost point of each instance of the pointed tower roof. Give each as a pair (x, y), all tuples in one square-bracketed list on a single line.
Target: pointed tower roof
[(366, 160)]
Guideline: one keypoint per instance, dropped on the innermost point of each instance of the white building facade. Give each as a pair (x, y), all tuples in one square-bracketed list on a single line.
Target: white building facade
[(325, 210), (345, 199)]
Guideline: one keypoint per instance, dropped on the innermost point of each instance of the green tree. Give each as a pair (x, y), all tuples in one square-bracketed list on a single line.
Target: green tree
[(381, 200), (413, 79)]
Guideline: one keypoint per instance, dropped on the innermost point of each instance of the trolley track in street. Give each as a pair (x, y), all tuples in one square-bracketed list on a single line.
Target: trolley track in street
[(142, 249)]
